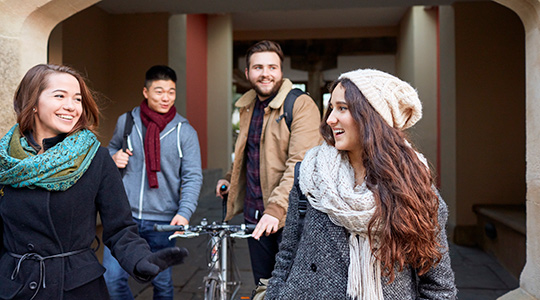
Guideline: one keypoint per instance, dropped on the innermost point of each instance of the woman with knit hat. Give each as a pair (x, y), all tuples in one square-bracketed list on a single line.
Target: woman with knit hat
[(374, 226)]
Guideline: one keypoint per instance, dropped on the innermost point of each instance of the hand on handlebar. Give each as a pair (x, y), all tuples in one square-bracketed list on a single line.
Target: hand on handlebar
[(267, 225), (235, 231), (179, 220), (220, 191)]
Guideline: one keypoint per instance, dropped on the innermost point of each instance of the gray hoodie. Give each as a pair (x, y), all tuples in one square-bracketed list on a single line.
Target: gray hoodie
[(180, 178)]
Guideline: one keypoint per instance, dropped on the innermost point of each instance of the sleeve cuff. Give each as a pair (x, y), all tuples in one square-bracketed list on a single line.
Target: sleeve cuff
[(275, 211)]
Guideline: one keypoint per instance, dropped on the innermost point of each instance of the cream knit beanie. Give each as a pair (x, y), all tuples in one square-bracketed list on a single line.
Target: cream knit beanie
[(395, 100)]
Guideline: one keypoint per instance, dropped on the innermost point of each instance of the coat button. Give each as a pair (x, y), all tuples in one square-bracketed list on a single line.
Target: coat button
[(30, 247), (314, 267), (32, 285)]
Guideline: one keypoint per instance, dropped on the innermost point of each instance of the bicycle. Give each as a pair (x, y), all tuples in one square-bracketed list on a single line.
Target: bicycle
[(218, 282)]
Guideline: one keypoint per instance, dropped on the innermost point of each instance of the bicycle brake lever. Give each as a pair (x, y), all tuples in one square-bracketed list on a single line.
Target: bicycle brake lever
[(186, 235)]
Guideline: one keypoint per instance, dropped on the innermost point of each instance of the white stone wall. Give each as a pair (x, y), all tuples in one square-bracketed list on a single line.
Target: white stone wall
[(24, 31), (529, 12), (9, 77)]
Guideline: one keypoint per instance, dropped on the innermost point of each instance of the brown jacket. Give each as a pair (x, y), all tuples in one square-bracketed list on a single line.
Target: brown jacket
[(279, 150)]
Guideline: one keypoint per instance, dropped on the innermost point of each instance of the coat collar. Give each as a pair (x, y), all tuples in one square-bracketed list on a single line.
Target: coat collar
[(250, 96)]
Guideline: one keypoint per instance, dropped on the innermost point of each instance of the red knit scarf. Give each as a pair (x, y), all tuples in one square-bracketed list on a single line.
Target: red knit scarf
[(155, 123)]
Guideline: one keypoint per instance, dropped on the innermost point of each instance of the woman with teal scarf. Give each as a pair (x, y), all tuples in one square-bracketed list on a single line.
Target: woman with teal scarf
[(54, 180)]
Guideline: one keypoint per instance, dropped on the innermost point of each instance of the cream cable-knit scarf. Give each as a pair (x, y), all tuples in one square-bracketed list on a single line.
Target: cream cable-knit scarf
[(327, 178)]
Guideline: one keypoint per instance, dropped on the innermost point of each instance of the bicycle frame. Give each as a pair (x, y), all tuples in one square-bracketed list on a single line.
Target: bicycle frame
[(218, 277), (219, 264), (217, 282)]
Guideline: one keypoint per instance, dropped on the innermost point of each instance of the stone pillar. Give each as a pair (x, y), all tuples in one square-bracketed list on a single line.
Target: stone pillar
[(220, 72), (416, 63), (177, 58), (9, 76), (24, 33), (529, 12)]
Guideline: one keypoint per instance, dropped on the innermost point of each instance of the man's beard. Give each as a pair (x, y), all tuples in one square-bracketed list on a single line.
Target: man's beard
[(272, 92)]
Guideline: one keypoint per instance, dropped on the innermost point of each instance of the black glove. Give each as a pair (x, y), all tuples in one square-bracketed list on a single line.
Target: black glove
[(156, 262)]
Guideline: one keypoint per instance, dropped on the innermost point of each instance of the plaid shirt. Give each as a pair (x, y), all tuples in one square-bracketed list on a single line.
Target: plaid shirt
[(253, 203)]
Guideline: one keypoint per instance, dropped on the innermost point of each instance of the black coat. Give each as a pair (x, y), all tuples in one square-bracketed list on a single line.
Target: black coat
[(51, 223)]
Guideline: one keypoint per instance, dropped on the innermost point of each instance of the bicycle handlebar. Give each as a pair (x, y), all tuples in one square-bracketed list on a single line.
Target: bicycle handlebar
[(247, 228), (162, 228)]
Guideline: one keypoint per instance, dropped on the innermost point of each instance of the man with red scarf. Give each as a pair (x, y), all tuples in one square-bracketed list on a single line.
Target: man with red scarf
[(163, 175)]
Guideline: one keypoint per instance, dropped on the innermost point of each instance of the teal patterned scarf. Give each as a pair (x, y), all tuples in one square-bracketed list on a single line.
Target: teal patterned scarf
[(56, 169)]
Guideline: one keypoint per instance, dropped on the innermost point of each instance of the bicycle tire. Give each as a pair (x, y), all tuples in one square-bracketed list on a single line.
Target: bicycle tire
[(211, 290)]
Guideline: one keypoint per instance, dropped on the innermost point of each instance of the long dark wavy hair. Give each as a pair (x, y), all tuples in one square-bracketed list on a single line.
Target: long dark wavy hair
[(407, 204)]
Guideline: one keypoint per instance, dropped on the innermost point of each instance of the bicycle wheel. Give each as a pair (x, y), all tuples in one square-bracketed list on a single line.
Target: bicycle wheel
[(211, 290)]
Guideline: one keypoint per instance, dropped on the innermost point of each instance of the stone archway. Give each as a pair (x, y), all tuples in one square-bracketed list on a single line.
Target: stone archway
[(529, 12), (26, 26), (24, 34)]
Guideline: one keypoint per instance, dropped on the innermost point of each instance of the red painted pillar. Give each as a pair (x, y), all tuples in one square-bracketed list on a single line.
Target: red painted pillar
[(196, 79), (438, 163)]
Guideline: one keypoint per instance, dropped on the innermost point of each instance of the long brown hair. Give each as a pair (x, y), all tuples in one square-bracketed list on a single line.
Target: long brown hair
[(407, 205), (32, 85)]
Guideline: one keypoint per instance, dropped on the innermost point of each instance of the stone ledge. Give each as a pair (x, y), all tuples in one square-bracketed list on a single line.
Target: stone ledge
[(499, 226), (512, 216)]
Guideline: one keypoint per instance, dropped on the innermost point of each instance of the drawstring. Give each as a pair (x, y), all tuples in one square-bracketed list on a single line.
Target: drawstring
[(96, 238), (41, 260)]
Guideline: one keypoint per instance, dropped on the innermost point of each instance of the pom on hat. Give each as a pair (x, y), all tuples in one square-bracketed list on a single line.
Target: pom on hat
[(394, 99)]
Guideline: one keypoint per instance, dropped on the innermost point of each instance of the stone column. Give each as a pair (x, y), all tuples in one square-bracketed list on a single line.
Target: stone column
[(177, 58), (416, 63), (9, 76), (220, 72), (529, 12)]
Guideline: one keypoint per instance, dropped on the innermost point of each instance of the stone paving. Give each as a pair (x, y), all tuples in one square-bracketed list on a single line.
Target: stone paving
[(478, 275)]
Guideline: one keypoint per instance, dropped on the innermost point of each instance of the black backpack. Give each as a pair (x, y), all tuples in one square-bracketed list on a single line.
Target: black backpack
[(128, 127), (127, 130), (288, 106)]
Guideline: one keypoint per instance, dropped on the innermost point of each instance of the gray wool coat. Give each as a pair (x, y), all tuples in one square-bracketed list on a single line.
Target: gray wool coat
[(319, 268)]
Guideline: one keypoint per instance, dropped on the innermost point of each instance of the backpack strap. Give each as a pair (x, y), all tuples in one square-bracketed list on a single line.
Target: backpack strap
[(128, 127), (288, 106)]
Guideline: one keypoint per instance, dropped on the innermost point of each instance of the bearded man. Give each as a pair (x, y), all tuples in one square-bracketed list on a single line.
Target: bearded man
[(266, 151)]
